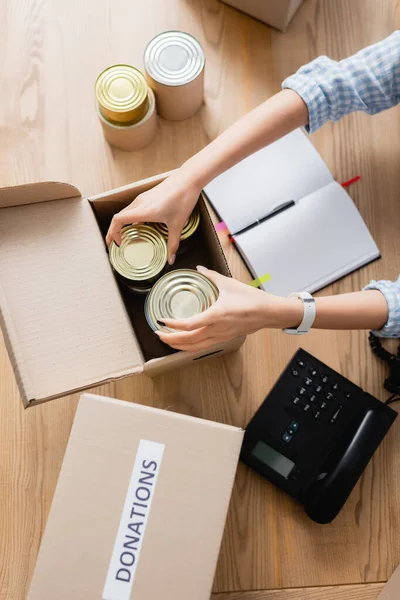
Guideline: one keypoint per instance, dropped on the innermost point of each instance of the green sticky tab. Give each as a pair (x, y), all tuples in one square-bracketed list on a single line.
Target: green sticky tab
[(260, 280)]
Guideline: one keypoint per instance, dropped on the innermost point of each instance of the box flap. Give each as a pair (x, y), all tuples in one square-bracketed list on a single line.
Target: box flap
[(31, 193), (275, 13), (293, 7), (63, 319), (391, 591), (156, 539)]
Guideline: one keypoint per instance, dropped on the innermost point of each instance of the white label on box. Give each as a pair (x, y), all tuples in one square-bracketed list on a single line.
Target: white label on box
[(132, 526)]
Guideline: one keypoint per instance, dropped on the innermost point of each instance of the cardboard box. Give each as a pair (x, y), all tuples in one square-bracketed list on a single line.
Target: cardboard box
[(391, 591), (277, 13), (140, 506), (66, 324)]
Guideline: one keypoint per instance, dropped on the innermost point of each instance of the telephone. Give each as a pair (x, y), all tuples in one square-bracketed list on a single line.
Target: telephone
[(314, 435)]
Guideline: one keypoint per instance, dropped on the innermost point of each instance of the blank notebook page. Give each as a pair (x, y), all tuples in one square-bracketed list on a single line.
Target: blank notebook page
[(286, 170), (317, 241)]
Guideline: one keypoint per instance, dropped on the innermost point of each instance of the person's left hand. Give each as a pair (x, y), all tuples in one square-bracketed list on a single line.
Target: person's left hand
[(239, 310)]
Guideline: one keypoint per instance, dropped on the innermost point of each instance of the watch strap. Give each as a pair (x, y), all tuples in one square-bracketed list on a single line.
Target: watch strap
[(309, 315)]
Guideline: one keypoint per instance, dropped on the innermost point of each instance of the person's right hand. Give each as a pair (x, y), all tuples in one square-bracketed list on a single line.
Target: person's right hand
[(170, 202)]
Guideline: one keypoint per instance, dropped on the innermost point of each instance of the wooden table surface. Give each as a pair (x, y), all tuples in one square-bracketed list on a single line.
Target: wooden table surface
[(50, 54)]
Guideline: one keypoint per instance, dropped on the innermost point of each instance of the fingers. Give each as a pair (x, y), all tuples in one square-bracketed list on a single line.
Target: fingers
[(174, 237), (185, 337), (203, 319), (217, 278), (125, 217), (195, 347)]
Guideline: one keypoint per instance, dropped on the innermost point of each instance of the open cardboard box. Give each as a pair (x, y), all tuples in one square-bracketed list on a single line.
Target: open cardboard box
[(277, 13), (66, 323)]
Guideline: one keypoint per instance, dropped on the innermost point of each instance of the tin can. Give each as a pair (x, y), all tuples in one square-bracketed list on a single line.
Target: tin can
[(126, 107), (174, 64), (188, 230), (141, 258), (179, 294)]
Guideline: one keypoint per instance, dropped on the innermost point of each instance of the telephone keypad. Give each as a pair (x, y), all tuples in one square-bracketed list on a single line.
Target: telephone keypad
[(319, 396)]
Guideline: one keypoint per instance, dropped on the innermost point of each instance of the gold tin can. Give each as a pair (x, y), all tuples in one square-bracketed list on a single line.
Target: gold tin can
[(188, 230), (122, 94), (179, 294), (174, 64), (141, 258), (126, 107)]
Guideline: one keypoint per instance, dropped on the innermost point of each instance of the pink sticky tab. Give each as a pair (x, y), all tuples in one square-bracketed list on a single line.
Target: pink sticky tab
[(221, 227)]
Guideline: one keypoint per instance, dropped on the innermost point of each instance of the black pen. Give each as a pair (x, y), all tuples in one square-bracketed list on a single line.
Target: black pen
[(273, 212)]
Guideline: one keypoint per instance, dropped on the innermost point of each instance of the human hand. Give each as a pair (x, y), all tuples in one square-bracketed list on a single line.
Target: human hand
[(239, 310), (170, 202)]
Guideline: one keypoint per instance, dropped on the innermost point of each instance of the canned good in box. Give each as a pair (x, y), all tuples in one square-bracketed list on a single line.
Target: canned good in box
[(179, 294), (126, 107), (174, 63), (141, 258), (188, 230)]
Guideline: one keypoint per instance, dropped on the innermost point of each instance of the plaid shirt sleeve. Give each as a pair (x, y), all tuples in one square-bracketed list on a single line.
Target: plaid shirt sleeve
[(368, 81), (391, 291)]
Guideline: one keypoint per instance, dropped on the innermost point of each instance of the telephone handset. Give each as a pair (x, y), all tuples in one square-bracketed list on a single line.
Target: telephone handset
[(314, 435), (330, 491)]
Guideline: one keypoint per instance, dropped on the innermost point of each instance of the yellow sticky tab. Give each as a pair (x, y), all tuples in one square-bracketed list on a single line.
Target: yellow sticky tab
[(260, 280)]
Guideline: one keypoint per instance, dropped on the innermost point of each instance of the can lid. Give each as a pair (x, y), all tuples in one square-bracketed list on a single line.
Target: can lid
[(141, 255), (189, 228), (179, 294), (122, 94), (174, 58)]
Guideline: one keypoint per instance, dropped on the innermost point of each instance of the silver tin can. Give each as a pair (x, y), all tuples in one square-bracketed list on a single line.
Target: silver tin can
[(141, 258), (174, 64), (179, 294)]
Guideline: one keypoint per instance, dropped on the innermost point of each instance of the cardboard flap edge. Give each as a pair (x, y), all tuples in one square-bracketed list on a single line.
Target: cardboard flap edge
[(92, 384), (390, 591), (30, 193), (139, 187), (90, 397)]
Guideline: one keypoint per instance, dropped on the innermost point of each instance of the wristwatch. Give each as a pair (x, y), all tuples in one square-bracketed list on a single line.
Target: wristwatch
[(310, 312)]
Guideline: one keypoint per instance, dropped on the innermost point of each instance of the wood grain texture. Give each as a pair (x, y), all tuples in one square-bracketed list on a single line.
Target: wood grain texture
[(337, 592), (50, 54)]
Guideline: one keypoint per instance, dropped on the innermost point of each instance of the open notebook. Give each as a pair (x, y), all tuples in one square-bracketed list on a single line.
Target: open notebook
[(319, 237)]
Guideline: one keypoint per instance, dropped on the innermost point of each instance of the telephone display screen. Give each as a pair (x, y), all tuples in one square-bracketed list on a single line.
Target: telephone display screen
[(273, 459)]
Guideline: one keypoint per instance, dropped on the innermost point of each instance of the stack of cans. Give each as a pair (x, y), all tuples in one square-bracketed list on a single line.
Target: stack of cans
[(173, 85), (126, 107), (141, 264)]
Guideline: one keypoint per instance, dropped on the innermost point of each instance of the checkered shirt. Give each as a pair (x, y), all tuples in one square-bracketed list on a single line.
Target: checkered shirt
[(369, 81)]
